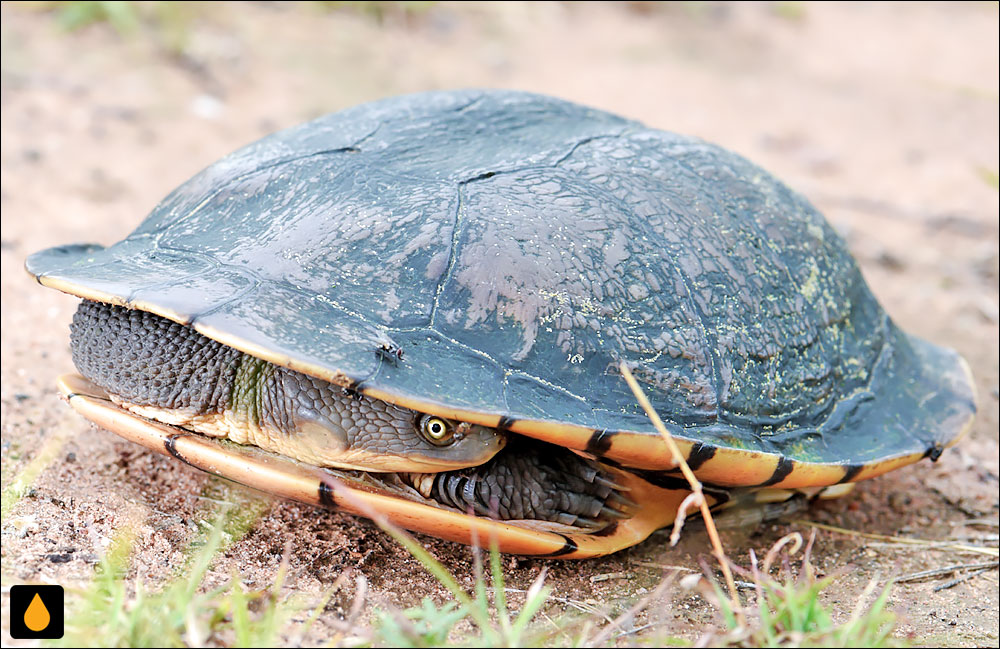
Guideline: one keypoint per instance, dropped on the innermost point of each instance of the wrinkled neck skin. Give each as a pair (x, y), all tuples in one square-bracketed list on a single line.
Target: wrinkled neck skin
[(166, 371)]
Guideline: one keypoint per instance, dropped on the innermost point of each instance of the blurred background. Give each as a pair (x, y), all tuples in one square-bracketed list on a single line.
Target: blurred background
[(885, 115)]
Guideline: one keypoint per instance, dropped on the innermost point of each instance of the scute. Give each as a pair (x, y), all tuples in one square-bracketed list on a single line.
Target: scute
[(517, 248)]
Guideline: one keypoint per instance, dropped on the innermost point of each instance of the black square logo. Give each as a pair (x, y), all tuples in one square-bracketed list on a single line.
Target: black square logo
[(36, 612)]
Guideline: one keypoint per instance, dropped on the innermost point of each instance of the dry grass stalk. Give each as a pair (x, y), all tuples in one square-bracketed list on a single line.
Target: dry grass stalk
[(678, 457)]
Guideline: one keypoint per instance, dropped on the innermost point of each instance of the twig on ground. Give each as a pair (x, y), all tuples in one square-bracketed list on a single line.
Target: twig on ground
[(947, 570), (635, 630), (602, 638), (575, 603), (902, 540), (661, 566), (608, 575), (986, 522), (958, 580)]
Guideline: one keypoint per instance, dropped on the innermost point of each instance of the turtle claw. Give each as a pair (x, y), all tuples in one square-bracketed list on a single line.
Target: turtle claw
[(605, 481), (536, 482), (588, 524), (621, 502), (616, 514)]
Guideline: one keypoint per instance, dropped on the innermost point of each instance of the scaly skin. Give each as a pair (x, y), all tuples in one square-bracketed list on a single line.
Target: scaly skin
[(166, 371)]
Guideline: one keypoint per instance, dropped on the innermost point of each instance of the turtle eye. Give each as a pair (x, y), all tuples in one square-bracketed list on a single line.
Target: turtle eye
[(437, 431)]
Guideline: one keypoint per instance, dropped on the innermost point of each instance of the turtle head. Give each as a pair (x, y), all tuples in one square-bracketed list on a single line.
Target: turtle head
[(357, 432)]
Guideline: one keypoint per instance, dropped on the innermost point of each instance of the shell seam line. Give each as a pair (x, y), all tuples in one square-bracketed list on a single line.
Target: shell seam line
[(351, 148), (689, 296), (623, 131), (255, 280), (711, 342), (549, 385), (459, 207), (754, 227), (213, 266), (452, 255), (468, 105), (357, 143)]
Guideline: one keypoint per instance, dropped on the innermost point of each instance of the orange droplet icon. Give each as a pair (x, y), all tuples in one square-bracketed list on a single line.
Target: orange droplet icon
[(36, 617)]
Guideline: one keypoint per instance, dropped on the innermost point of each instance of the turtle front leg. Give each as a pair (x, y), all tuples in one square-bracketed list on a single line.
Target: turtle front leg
[(533, 481)]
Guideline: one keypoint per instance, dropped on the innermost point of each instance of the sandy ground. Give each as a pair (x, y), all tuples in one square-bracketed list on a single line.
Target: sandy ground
[(886, 116)]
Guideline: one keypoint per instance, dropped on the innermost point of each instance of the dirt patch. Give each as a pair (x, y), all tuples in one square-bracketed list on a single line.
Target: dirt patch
[(885, 116)]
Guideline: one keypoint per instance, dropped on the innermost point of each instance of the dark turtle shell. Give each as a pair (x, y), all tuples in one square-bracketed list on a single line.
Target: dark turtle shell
[(493, 256)]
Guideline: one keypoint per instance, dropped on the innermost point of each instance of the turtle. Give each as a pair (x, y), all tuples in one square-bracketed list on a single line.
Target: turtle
[(417, 309)]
